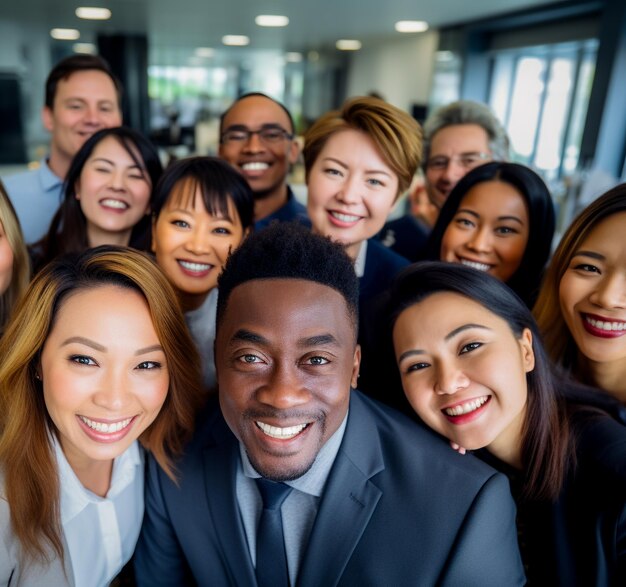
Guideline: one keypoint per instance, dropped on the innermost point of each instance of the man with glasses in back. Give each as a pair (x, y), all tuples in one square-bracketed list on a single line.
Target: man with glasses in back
[(457, 138), (257, 137)]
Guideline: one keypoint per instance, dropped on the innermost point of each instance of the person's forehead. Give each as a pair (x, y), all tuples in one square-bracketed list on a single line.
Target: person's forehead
[(255, 111), (460, 138), (90, 83), (285, 303)]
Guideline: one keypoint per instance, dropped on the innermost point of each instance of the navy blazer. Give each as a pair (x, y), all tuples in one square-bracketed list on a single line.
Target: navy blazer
[(399, 508)]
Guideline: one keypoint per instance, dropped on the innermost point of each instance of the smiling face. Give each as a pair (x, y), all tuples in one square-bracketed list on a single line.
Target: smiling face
[(489, 231), (350, 190), (593, 294), (84, 103), (114, 193), (6, 261), (464, 372), (264, 165), (454, 150), (191, 245), (286, 357), (104, 373)]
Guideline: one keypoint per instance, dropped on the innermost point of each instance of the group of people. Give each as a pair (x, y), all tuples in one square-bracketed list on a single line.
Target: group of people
[(200, 320)]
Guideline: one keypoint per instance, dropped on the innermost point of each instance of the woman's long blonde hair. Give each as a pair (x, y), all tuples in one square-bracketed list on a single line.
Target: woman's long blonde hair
[(21, 263), (26, 456)]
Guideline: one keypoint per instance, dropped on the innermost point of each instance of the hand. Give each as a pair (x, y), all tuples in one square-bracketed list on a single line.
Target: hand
[(458, 448)]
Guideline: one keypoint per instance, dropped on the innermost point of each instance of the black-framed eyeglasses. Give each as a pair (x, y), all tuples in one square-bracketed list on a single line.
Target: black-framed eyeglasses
[(465, 160), (267, 134)]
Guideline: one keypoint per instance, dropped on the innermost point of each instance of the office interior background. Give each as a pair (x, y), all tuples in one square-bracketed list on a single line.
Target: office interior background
[(554, 72)]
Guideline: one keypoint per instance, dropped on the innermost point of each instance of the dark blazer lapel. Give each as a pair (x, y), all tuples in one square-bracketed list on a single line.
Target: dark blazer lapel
[(220, 467), (348, 503)]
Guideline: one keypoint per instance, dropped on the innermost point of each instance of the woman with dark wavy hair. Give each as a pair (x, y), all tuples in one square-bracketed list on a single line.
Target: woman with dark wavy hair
[(97, 365), (107, 196), (498, 219), (473, 368)]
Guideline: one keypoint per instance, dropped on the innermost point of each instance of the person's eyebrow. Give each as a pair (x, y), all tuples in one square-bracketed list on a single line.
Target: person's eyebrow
[(318, 340), (468, 211), (590, 254), (149, 349), (87, 342), (342, 164), (513, 218), (462, 328), (243, 335)]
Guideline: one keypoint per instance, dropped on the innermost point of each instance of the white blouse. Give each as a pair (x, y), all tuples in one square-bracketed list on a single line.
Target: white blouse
[(101, 532)]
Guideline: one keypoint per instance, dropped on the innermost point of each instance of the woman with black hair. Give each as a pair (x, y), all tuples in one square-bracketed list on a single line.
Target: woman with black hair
[(499, 219), (474, 370), (107, 196)]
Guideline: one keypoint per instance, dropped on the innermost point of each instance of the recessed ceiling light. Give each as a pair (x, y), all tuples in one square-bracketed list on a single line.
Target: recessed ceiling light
[(65, 34), (204, 52), (411, 26), (271, 20), (88, 48), (348, 45), (93, 13), (236, 40), (293, 57)]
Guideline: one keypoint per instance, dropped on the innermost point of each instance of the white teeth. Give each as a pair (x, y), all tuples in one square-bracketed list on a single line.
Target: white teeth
[(608, 326), (196, 267), (255, 166), (110, 203), (106, 428), (467, 407), (344, 217), (281, 433), (475, 265)]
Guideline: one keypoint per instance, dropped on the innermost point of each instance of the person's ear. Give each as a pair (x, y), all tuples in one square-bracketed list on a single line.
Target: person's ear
[(77, 189), (294, 151), (47, 118), (356, 365), (526, 345), (153, 239)]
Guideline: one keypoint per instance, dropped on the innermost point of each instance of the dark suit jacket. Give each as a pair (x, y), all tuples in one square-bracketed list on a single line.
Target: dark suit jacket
[(399, 508)]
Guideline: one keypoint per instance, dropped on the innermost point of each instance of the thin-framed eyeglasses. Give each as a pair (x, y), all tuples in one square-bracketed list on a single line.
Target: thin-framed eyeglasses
[(268, 134), (465, 160)]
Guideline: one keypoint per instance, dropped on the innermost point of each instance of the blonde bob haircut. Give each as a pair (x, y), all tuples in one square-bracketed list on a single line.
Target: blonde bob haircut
[(557, 338), (396, 135), (21, 262), (31, 483)]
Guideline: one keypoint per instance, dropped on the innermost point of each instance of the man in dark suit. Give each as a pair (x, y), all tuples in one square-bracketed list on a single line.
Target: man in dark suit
[(372, 497)]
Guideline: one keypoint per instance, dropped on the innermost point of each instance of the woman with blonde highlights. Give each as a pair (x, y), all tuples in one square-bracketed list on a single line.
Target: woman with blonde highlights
[(14, 263), (96, 356), (581, 308)]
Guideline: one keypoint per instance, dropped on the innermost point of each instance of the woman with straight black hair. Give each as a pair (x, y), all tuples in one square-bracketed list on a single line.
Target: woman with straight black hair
[(202, 210), (499, 219), (473, 368), (107, 196)]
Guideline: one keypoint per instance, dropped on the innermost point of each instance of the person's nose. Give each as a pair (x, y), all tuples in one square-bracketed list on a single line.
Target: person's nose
[(480, 240), (118, 180), (610, 292), (450, 378), (113, 392), (93, 116), (453, 172), (284, 389), (350, 192), (198, 242), (254, 144)]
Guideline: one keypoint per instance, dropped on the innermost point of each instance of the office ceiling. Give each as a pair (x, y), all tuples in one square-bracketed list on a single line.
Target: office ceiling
[(314, 24)]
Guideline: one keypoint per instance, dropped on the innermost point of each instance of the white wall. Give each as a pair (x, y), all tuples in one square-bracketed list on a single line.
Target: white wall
[(401, 70)]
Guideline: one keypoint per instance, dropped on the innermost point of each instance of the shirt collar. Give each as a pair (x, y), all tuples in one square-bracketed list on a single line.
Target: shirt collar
[(313, 481), (75, 498), (49, 181), (359, 263)]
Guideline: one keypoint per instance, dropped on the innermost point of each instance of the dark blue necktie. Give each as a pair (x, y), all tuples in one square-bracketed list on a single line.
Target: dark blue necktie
[(271, 558)]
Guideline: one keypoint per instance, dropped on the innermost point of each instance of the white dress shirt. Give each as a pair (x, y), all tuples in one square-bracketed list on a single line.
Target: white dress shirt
[(101, 532)]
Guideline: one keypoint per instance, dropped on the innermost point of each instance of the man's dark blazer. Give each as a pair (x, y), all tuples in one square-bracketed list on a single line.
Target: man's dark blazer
[(399, 508)]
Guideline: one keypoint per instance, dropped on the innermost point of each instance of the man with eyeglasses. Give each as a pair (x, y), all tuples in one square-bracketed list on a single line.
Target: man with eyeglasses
[(257, 137), (457, 138)]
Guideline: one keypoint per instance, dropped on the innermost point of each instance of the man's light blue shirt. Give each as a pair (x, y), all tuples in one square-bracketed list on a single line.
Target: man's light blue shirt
[(36, 196)]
